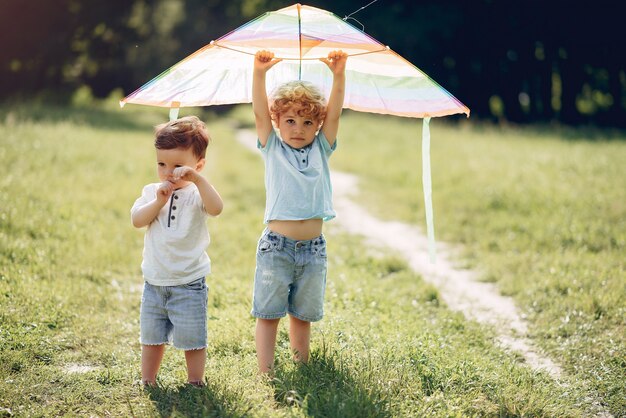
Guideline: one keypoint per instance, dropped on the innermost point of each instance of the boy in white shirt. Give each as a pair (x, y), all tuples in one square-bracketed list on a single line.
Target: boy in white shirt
[(175, 262)]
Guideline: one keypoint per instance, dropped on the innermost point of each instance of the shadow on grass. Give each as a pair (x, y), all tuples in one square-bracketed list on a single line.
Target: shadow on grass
[(327, 387), (190, 401)]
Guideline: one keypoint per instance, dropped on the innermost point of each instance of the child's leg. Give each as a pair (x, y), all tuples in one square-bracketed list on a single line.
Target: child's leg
[(151, 356), (265, 338), (196, 360), (299, 337)]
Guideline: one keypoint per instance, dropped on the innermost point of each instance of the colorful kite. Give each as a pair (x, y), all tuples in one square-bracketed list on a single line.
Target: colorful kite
[(378, 80)]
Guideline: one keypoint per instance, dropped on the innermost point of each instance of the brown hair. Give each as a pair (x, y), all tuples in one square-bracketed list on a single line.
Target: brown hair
[(187, 132), (301, 93)]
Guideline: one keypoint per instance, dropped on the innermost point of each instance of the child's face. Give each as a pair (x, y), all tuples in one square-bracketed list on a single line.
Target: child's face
[(169, 159), (297, 131)]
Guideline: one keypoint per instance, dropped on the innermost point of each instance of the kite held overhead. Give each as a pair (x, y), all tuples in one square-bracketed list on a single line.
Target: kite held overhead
[(378, 80)]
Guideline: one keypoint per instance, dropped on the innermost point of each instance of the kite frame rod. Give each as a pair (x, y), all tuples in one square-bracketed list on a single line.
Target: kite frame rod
[(299, 43), (216, 43)]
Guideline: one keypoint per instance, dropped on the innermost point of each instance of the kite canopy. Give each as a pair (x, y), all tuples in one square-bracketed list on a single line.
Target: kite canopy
[(377, 79)]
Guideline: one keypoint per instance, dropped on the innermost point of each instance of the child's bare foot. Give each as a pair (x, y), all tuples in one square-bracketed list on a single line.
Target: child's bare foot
[(149, 383), (197, 383)]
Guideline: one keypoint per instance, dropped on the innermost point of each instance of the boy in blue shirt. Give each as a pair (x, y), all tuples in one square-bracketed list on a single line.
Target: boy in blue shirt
[(290, 275)]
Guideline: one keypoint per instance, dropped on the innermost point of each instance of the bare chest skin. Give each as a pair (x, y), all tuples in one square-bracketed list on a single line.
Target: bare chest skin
[(300, 230)]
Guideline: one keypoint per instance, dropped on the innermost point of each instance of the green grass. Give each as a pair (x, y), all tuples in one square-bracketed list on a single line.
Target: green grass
[(541, 212), (70, 284)]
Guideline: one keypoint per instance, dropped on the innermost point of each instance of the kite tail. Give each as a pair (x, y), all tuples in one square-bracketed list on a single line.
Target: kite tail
[(427, 186)]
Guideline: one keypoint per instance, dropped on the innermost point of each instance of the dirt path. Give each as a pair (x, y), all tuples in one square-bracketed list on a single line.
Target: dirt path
[(458, 288)]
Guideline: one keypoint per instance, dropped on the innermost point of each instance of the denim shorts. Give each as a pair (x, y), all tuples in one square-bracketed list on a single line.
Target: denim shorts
[(175, 314), (290, 277)]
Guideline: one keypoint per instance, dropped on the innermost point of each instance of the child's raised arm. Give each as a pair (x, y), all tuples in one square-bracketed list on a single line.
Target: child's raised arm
[(336, 62), (144, 214), (263, 61)]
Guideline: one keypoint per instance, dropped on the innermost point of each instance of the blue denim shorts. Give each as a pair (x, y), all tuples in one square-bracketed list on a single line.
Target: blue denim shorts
[(174, 314), (290, 277)]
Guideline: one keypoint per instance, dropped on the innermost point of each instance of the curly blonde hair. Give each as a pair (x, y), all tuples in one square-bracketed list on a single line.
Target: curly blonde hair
[(298, 93)]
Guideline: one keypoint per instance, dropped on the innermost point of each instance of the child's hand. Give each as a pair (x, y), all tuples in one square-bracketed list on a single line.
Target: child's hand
[(336, 61), (264, 60), (184, 173), (164, 192)]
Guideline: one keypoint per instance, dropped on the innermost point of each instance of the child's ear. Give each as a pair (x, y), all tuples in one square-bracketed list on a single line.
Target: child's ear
[(200, 164)]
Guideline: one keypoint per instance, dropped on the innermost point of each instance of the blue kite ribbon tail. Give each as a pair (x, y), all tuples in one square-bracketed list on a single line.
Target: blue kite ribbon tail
[(174, 109), (427, 186)]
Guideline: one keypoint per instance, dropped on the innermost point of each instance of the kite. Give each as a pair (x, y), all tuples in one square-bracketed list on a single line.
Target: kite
[(378, 80)]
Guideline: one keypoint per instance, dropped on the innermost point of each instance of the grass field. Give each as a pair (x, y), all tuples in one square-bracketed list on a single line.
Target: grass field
[(542, 213), (541, 216)]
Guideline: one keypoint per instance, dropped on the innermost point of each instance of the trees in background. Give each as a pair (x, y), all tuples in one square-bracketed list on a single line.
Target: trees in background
[(532, 61)]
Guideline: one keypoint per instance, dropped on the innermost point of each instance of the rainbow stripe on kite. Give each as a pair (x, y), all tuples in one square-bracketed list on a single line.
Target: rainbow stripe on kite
[(378, 80)]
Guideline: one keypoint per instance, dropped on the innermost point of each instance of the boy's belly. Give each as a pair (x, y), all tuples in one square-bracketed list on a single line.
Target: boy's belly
[(301, 230)]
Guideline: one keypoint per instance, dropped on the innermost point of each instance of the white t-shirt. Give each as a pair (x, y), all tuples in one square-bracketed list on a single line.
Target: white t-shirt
[(175, 243)]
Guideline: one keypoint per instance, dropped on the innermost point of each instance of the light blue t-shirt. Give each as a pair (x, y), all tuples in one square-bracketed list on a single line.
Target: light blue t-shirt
[(297, 181)]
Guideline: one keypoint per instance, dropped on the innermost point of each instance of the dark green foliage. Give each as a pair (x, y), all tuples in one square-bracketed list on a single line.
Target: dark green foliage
[(523, 62)]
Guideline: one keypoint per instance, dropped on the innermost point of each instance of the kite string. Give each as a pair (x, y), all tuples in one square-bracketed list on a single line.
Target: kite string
[(356, 11)]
